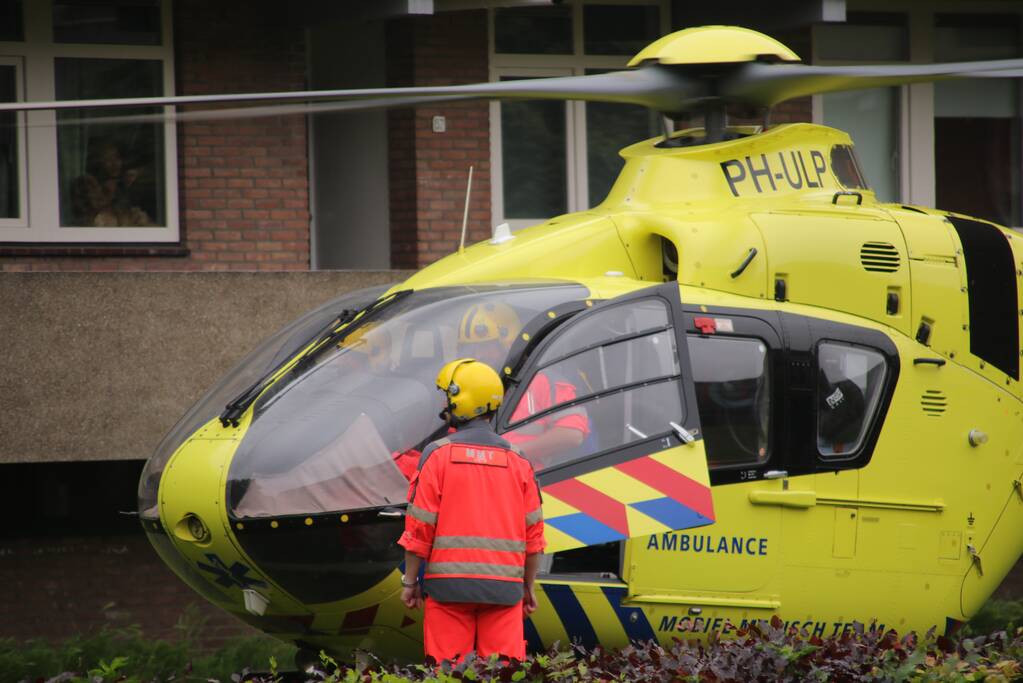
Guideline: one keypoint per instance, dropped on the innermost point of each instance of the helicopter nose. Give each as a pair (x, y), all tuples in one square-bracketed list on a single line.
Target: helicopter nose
[(193, 534), (291, 560), (326, 557)]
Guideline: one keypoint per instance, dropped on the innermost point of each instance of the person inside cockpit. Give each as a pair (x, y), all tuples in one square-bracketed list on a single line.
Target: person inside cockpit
[(486, 333)]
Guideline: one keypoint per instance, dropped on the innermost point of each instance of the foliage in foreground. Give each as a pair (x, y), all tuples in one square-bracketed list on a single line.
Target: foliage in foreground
[(764, 652), (116, 654), (995, 615), (768, 653)]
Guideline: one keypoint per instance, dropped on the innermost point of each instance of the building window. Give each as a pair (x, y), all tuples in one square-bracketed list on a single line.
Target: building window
[(554, 157), (870, 116), (533, 164), (12, 152), (110, 175), (112, 22), (976, 120), (90, 180), (12, 27), (952, 144)]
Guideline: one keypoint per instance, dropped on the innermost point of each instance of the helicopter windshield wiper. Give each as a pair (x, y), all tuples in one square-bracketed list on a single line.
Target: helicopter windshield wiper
[(234, 408), (335, 332), (338, 335)]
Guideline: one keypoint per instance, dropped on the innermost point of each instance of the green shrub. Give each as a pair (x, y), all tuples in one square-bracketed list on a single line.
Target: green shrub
[(763, 652), (995, 615), (138, 657)]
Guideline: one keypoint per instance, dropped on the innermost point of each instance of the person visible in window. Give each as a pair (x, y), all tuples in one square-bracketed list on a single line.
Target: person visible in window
[(486, 333), (101, 197), (474, 517), (841, 408)]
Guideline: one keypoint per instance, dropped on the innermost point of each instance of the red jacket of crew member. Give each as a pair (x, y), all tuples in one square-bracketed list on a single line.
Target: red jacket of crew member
[(475, 514), (541, 394)]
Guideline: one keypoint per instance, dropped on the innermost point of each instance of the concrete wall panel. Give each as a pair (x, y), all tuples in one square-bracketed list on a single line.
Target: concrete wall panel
[(98, 366)]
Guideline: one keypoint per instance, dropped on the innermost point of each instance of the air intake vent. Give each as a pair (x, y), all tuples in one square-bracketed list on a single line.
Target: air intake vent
[(934, 402), (879, 257)]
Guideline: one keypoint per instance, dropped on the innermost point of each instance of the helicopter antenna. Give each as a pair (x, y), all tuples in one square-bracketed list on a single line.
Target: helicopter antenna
[(665, 127), (767, 117), (465, 215)]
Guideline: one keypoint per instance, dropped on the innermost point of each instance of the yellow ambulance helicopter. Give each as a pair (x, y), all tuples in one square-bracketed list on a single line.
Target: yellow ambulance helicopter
[(761, 391)]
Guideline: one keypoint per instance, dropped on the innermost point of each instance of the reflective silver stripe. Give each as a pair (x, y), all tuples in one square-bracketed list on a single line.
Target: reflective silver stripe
[(486, 591), (479, 543), (534, 516), (422, 515), (439, 568)]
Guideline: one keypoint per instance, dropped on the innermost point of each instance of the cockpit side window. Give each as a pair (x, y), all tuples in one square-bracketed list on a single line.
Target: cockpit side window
[(733, 391), (849, 386), (617, 376), (847, 168)]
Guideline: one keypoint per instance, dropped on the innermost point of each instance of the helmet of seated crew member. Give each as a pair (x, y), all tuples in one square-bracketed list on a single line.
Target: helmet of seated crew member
[(487, 322), (472, 388), (372, 342)]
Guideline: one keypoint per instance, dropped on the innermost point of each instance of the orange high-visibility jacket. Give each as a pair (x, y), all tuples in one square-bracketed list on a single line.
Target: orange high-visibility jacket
[(474, 514), (541, 394)]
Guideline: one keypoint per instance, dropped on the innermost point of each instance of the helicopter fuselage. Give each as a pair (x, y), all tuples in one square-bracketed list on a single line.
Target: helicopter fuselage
[(856, 371)]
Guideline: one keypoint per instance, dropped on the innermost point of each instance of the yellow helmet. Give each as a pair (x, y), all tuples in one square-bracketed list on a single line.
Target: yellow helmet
[(472, 388), (489, 321), (376, 345)]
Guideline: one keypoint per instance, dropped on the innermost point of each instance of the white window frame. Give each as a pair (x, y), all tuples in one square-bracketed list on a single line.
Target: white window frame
[(41, 210), (916, 135), (575, 64), (21, 220), (902, 99)]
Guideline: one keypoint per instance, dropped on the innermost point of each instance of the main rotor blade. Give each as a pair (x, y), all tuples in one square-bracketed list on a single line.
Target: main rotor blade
[(254, 112), (764, 85), (656, 87)]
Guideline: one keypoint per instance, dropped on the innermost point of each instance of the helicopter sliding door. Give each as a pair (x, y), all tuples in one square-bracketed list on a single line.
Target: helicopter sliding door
[(605, 410), (704, 579)]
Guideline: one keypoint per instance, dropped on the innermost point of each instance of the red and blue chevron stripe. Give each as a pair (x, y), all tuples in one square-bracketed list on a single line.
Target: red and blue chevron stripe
[(641, 496)]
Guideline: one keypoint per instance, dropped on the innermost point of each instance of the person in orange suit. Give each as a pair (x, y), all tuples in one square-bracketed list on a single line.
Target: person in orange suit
[(487, 332), (474, 517)]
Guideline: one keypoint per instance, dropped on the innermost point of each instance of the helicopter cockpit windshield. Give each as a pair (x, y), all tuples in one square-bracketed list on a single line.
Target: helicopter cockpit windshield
[(343, 432), (269, 354)]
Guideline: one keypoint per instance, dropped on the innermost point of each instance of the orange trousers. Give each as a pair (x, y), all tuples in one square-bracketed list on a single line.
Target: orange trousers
[(452, 630)]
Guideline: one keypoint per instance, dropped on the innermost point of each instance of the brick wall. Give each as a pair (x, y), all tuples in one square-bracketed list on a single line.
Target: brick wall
[(56, 588), (428, 170), (243, 184)]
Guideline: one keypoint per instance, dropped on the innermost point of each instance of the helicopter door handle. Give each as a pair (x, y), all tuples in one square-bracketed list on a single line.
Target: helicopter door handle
[(745, 262), (686, 436), (776, 474), (785, 499), (847, 193), (391, 512), (929, 361)]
